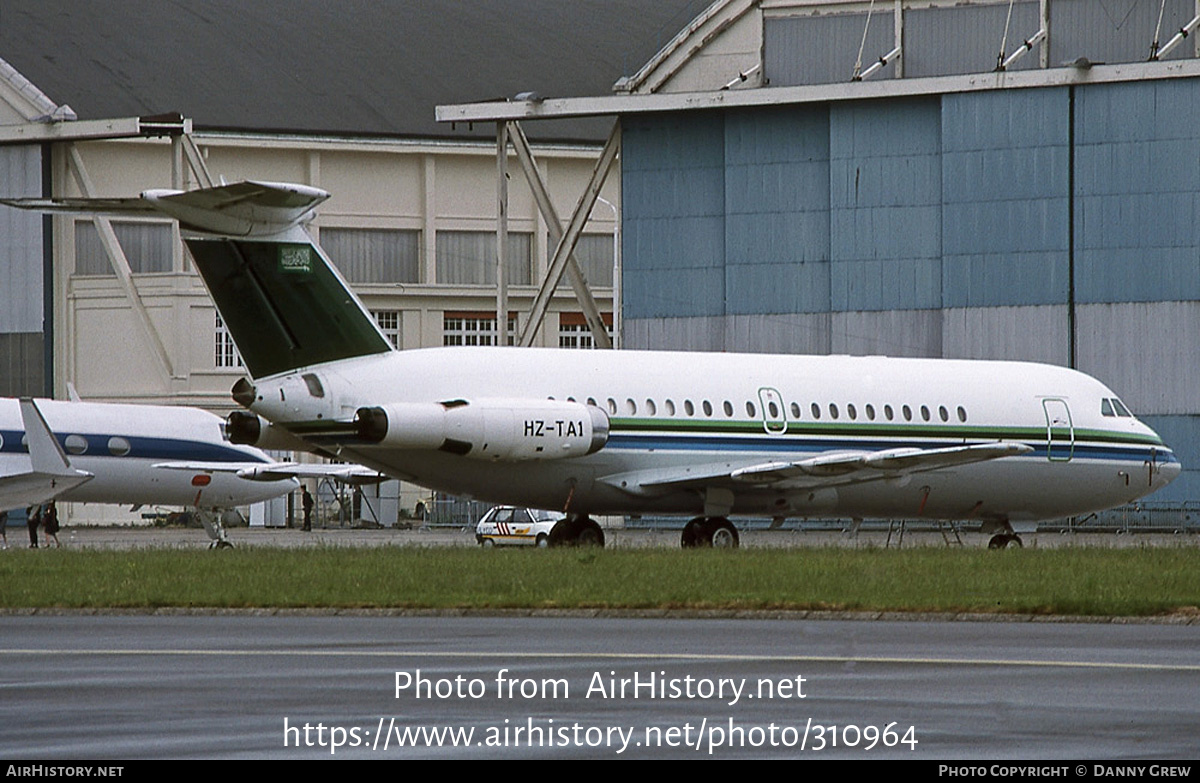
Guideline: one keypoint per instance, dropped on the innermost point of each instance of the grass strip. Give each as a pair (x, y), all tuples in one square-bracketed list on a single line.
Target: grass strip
[(1077, 581)]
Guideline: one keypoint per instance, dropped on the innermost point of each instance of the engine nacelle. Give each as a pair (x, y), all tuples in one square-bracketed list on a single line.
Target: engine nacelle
[(492, 429), (247, 429)]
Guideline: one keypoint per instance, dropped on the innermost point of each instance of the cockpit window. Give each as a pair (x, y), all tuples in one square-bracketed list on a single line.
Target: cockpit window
[(1106, 408), (1120, 408)]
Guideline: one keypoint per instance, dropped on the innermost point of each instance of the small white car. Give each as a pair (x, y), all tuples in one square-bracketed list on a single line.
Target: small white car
[(506, 525)]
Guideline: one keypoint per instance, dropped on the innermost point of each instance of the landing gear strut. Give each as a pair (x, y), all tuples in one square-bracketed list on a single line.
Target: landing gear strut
[(717, 532), (576, 531)]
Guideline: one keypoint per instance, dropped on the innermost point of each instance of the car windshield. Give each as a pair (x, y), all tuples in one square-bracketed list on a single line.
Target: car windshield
[(544, 516)]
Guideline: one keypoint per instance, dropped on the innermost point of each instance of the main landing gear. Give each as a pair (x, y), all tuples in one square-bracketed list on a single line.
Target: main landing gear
[(576, 531), (1005, 541), (716, 532)]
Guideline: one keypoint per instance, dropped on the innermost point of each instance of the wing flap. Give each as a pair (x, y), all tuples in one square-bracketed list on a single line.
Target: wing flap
[(282, 471), (828, 469)]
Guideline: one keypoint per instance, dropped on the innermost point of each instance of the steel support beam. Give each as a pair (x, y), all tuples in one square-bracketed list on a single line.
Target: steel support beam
[(120, 265), (541, 195), (501, 233), (566, 245)]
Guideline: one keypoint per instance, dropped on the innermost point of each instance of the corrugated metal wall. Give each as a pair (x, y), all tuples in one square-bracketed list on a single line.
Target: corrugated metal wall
[(932, 227), (21, 269), (817, 45)]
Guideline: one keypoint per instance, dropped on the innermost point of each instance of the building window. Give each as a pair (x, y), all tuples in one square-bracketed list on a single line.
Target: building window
[(372, 255), (474, 329), (147, 247), (469, 258), (594, 252), (389, 324), (573, 331), (226, 354)]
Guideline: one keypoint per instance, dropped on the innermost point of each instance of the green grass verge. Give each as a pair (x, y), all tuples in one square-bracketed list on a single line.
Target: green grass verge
[(1130, 582)]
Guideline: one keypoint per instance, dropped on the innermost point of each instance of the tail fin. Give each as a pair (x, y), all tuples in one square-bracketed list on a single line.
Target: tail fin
[(283, 302)]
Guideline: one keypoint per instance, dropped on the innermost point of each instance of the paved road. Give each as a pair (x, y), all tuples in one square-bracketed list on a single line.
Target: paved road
[(129, 687)]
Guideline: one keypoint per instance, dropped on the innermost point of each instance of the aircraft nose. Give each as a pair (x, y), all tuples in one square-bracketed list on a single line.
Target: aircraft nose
[(1167, 472)]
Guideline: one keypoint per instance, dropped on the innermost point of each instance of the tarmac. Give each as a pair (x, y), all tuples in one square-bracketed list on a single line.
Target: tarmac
[(150, 537)]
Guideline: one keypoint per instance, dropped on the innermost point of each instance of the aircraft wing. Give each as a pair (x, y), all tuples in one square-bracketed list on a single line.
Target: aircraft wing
[(828, 469), (51, 473), (281, 471)]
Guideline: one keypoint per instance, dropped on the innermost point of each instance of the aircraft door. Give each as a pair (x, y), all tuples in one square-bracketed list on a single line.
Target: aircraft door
[(1060, 432), (774, 415)]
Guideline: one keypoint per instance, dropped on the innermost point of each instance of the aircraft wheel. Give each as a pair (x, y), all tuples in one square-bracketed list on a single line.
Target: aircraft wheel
[(563, 533), (1015, 542), (722, 534), (589, 534), (693, 534), (998, 541)]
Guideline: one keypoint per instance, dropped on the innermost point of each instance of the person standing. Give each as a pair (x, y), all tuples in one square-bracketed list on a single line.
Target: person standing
[(306, 500), (4, 529), (50, 523), (33, 520)]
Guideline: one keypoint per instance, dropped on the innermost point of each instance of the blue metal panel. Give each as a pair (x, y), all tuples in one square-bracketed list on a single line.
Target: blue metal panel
[(777, 207), (20, 242), (1182, 435), (885, 205), (672, 180), (1137, 192), (1004, 219)]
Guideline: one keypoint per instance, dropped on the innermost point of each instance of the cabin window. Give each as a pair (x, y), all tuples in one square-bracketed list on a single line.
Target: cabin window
[(728, 409), (795, 410), (612, 407), (907, 411), (630, 407), (962, 414), (118, 446), (943, 414), (870, 409), (708, 408), (750, 409), (773, 409), (670, 407), (816, 411), (888, 413), (75, 444), (689, 408), (851, 411), (924, 413), (651, 408), (591, 401), (833, 411)]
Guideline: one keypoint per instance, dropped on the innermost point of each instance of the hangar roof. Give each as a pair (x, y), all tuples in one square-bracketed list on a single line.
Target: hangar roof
[(351, 67)]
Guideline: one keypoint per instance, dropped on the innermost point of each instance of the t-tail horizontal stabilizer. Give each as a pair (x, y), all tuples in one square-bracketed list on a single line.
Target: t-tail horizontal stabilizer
[(243, 209), (51, 473), (283, 303)]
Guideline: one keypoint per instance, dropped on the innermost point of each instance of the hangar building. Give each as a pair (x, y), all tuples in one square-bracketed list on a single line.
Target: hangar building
[(1011, 179)]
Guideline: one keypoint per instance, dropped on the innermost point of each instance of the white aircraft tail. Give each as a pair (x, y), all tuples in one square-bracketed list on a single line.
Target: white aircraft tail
[(51, 473)]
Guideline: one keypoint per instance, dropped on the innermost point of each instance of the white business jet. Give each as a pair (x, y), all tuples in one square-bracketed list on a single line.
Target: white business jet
[(707, 435), (93, 452)]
